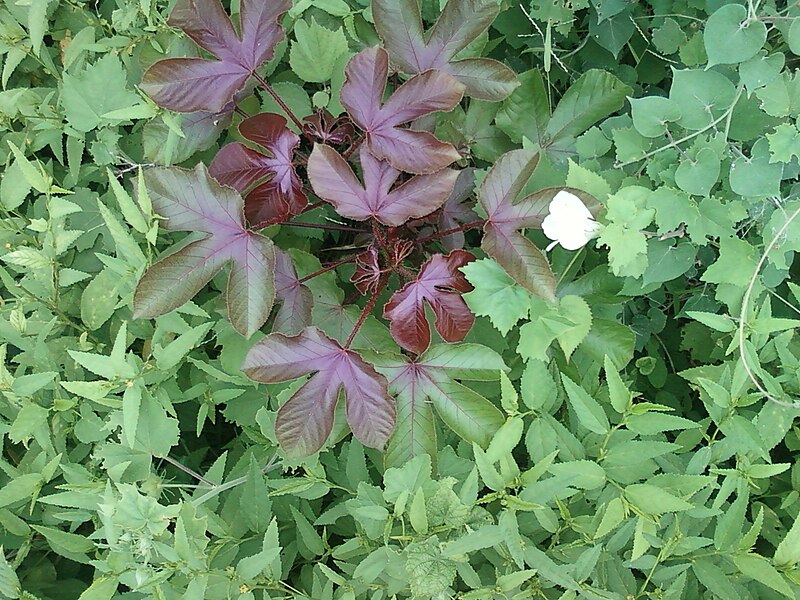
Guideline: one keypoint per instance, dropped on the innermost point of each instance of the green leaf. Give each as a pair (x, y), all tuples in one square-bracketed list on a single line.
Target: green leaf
[(314, 54), (731, 36), (701, 96), (34, 174), (495, 294), (653, 114), (587, 409), (99, 299), (505, 440), (509, 398), (654, 500), (698, 175), (27, 385), (526, 112), (548, 569), (618, 393), (69, 545), (576, 311), (96, 90), (19, 488), (429, 572), (714, 578), (759, 568), (595, 95), (784, 143), (308, 535), (730, 524), (417, 514), (582, 474), (9, 582), (793, 37), (721, 323), (788, 551), (101, 589), (756, 176)]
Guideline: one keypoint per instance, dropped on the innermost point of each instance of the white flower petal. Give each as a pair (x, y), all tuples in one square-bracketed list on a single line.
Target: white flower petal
[(551, 227), (568, 204)]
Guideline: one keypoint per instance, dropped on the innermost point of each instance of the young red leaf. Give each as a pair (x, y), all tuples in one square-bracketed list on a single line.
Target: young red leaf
[(194, 201), (325, 128), (276, 191), (399, 24), (405, 149), (305, 421), (199, 84), (502, 239), (368, 272), (440, 284), (296, 300), (333, 180), (430, 380)]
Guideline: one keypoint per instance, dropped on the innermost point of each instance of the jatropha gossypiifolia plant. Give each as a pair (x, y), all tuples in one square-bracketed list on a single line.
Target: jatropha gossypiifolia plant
[(403, 205)]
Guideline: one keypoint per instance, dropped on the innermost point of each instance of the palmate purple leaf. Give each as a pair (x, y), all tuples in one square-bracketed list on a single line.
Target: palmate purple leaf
[(506, 216), (275, 191), (399, 24), (305, 421), (333, 180), (199, 84), (194, 201), (440, 284), (502, 239), (296, 300), (406, 150), (431, 381)]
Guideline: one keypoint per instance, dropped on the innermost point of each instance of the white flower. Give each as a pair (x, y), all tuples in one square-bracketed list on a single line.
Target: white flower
[(569, 222)]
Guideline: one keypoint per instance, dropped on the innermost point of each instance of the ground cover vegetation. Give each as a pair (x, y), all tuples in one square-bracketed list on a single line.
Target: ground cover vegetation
[(377, 299)]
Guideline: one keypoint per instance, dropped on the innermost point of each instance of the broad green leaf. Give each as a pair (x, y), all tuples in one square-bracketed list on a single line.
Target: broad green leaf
[(731, 36), (595, 95), (314, 54), (94, 91), (495, 294)]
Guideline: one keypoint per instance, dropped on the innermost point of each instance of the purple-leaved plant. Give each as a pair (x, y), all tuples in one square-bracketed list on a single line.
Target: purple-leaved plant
[(406, 222)]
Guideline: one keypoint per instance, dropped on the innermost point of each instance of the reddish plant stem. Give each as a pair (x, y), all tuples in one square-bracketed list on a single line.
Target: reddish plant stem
[(323, 226), (379, 236), (330, 267), (263, 83), (367, 308), (311, 207), (241, 112), (353, 147), (404, 271), (284, 221), (439, 234)]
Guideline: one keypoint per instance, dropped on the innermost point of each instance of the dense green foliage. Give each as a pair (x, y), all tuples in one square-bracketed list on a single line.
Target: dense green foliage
[(621, 427)]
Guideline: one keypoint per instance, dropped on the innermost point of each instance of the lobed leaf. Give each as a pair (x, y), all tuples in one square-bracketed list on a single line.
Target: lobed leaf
[(407, 150), (333, 180), (400, 26), (193, 201), (199, 84), (274, 191), (431, 380), (305, 421), (440, 284)]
